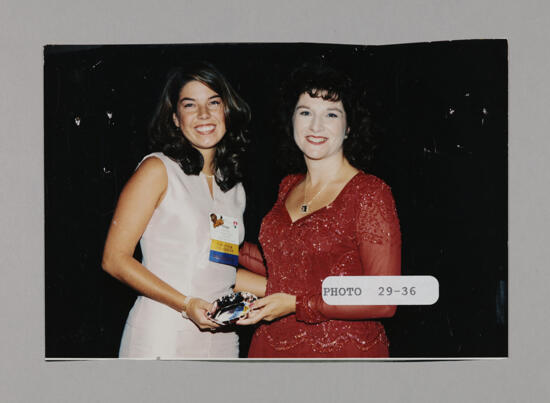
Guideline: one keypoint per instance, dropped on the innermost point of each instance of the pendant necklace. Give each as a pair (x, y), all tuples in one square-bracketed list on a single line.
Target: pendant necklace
[(304, 208)]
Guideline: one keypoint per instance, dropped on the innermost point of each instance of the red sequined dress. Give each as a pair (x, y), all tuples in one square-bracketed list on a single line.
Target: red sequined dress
[(357, 234)]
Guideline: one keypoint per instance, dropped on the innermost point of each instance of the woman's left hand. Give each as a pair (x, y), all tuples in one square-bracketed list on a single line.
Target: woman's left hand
[(270, 308), (197, 309)]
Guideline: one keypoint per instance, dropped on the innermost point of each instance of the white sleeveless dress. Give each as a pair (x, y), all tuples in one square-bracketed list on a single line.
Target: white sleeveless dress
[(176, 248)]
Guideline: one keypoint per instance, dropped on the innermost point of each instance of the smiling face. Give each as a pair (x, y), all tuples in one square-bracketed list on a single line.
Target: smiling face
[(200, 115), (319, 127)]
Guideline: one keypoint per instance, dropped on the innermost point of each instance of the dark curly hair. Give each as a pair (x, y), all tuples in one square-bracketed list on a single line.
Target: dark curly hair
[(164, 136), (331, 85)]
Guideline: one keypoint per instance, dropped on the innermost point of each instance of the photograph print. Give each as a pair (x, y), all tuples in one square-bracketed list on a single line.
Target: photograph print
[(197, 195)]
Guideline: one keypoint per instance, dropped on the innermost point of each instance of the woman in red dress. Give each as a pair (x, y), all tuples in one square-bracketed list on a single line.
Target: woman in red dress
[(330, 219)]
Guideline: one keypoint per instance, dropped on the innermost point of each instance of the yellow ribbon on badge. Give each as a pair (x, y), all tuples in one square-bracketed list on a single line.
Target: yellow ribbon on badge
[(224, 247)]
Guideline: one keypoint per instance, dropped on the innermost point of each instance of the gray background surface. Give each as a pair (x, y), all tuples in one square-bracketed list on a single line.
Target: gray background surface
[(27, 26)]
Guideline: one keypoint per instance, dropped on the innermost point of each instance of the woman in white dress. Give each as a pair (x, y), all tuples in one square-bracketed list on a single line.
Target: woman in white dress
[(197, 138)]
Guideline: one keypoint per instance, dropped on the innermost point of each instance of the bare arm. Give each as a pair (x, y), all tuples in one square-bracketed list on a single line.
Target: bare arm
[(137, 202), (253, 279), (251, 282)]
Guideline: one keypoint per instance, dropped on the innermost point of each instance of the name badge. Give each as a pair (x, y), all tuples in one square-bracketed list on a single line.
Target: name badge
[(224, 232)]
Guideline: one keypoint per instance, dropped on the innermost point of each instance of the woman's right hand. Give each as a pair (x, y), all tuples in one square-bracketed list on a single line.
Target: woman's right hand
[(197, 309)]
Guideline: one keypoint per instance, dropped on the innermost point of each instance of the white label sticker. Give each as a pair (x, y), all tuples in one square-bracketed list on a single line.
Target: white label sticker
[(225, 229), (380, 290)]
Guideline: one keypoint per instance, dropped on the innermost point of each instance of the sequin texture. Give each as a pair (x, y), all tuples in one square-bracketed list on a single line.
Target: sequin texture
[(357, 234)]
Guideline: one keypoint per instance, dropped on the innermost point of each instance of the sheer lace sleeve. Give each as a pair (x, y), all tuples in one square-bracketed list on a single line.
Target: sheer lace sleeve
[(251, 259), (378, 241)]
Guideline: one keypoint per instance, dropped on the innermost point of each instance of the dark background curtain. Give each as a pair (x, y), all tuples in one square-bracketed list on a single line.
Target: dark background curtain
[(441, 115)]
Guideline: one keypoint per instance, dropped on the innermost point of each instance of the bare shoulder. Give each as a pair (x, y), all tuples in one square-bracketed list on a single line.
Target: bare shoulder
[(152, 169), (152, 166), (151, 176)]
